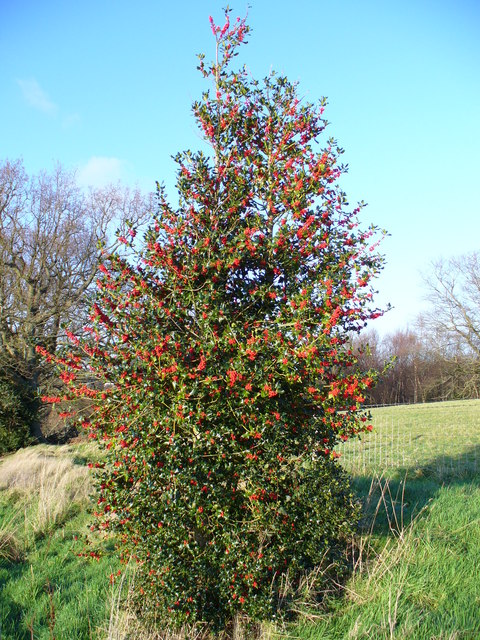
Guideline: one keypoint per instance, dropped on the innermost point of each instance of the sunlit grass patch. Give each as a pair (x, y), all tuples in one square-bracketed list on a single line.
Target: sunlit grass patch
[(435, 438)]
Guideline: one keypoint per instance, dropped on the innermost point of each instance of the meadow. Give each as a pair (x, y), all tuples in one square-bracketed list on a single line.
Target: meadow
[(413, 563)]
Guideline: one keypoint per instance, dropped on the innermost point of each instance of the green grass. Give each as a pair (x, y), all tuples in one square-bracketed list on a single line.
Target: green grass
[(47, 590), (422, 584), (53, 593), (442, 437), (414, 568), (416, 564)]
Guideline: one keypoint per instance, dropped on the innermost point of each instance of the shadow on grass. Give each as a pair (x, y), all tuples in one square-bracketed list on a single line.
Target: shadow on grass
[(394, 501), (12, 613), (390, 502)]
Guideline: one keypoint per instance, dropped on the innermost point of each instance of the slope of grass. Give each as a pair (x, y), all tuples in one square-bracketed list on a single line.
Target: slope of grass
[(414, 566), (46, 589), (418, 583)]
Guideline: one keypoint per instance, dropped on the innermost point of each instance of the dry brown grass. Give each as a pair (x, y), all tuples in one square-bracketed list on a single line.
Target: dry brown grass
[(125, 625), (48, 479), (11, 546)]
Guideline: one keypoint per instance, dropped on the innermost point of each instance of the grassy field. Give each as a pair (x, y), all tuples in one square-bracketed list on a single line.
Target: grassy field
[(47, 590), (415, 571), (442, 437), (414, 565)]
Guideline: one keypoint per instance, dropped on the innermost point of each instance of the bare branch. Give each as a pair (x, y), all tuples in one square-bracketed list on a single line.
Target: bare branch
[(50, 232)]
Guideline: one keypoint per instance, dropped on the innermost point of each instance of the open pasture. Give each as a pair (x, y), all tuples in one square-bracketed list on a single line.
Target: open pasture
[(435, 438), (415, 566)]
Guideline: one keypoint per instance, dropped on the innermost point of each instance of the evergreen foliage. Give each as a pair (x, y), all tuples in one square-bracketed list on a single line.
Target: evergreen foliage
[(225, 350)]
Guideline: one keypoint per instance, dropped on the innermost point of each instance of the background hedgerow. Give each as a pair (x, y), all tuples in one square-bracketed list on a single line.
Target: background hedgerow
[(217, 361), (17, 412)]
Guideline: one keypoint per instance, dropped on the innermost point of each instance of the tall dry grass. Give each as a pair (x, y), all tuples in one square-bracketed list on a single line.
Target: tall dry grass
[(124, 624), (46, 483), (11, 547)]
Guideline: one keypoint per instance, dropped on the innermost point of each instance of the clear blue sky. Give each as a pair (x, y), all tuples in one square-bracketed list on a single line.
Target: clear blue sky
[(106, 86)]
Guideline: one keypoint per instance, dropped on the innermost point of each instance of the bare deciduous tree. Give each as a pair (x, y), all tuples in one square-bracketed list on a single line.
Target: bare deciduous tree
[(417, 370), (452, 324), (453, 321), (50, 235), (453, 288), (440, 358)]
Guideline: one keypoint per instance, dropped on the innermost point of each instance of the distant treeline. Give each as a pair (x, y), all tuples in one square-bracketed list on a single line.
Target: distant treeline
[(418, 368)]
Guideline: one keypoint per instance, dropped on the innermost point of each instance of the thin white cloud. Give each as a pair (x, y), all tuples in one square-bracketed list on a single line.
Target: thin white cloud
[(99, 171), (37, 97)]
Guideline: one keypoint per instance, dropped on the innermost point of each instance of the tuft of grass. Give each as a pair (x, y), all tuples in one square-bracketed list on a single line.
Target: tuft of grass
[(11, 546)]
